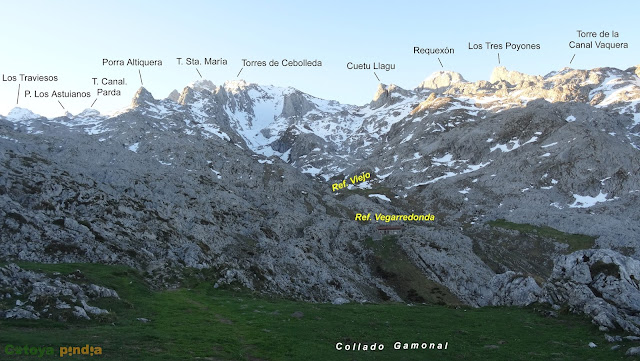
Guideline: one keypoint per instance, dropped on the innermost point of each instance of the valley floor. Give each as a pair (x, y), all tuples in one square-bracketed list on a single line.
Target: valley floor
[(198, 322)]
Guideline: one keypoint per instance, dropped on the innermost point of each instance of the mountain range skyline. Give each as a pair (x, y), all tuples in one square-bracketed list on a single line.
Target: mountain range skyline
[(358, 34), (457, 77)]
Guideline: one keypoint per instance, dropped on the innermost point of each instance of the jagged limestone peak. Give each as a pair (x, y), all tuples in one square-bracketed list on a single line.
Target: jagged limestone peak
[(89, 112), (381, 93), (203, 85), (501, 73), (234, 86), (296, 104), (441, 79), (174, 95), (387, 95), (187, 96), (141, 97)]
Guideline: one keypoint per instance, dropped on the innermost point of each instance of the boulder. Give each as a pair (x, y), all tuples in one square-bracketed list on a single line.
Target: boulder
[(601, 283)]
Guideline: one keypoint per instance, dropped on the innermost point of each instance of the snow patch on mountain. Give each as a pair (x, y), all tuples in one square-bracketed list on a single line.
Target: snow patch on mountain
[(588, 201), (380, 196)]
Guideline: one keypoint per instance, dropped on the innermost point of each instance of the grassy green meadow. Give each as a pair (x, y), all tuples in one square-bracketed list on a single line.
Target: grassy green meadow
[(198, 322)]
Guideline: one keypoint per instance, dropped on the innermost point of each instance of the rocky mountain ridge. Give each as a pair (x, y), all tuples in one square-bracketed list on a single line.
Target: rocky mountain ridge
[(236, 179)]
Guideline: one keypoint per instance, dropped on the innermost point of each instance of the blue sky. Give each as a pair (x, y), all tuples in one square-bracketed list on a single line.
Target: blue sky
[(70, 38)]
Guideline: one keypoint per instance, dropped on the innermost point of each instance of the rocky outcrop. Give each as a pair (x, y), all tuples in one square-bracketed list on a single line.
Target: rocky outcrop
[(514, 289), (387, 95), (187, 96), (601, 283), (33, 295), (512, 77), (432, 103), (296, 104), (447, 258)]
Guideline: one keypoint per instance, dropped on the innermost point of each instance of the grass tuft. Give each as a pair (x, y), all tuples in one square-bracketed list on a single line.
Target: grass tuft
[(575, 241)]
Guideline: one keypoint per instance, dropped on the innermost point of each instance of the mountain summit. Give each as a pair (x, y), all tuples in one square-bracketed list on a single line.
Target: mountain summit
[(141, 98), (441, 80), (174, 95)]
